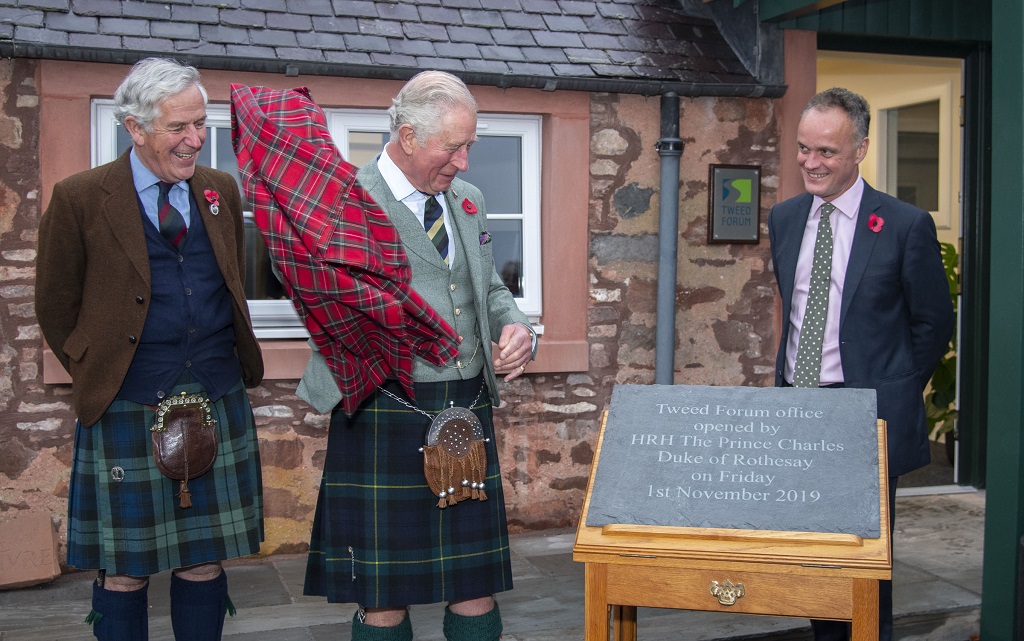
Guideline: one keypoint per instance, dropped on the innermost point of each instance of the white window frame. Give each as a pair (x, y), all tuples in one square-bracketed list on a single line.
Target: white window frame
[(341, 122), (527, 128), (278, 318)]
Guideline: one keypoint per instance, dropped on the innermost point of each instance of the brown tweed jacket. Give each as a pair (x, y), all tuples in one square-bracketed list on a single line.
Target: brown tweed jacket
[(93, 281)]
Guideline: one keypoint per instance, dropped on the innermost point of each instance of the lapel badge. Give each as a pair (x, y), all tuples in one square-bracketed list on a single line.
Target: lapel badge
[(875, 223), (213, 198)]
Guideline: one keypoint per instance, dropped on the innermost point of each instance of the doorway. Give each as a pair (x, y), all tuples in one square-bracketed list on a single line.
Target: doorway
[(915, 155)]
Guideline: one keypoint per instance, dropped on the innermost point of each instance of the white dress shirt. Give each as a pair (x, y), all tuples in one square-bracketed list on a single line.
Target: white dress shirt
[(414, 199)]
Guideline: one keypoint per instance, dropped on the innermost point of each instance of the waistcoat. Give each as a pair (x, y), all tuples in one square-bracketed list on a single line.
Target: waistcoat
[(455, 304), (189, 322)]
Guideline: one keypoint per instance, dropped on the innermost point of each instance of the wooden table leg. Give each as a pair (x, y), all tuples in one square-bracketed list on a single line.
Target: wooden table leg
[(595, 588), (624, 622), (865, 610)]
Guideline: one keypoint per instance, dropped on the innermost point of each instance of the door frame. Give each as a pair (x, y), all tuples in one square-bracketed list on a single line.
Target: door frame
[(972, 346)]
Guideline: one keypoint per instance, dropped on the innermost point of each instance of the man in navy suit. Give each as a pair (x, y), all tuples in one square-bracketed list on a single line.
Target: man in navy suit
[(889, 315)]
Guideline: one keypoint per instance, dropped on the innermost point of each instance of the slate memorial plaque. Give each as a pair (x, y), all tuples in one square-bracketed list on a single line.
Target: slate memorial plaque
[(786, 459)]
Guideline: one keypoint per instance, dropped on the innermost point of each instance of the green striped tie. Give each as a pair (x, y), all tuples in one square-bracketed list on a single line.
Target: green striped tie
[(433, 223)]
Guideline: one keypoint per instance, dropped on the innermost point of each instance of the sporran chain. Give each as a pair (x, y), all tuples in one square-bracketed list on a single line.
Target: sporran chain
[(454, 456), (401, 400)]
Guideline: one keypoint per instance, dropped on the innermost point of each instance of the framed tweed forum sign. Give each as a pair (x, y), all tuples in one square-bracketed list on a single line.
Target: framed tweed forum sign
[(734, 195)]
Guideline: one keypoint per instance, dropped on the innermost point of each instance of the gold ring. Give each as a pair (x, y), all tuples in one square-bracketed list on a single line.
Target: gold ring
[(522, 369)]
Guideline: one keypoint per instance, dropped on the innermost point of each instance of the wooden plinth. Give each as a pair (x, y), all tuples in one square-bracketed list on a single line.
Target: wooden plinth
[(793, 574)]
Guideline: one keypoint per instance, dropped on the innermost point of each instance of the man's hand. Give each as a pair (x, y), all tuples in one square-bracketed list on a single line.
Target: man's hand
[(515, 349)]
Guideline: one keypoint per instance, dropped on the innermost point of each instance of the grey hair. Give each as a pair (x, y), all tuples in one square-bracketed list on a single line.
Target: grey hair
[(150, 82), (852, 104), (424, 100)]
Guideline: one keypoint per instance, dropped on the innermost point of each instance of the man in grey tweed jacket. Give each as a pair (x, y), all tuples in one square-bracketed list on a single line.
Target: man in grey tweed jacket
[(458, 554)]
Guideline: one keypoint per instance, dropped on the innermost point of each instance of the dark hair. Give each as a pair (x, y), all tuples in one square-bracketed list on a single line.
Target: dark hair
[(853, 105)]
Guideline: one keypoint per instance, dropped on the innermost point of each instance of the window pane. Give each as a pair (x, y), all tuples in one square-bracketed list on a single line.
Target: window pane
[(204, 155), (124, 139), (917, 154), (226, 160), (260, 282), (507, 247), (495, 167), (363, 146)]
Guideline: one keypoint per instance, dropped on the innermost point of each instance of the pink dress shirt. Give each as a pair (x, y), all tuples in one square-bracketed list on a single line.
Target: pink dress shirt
[(844, 223)]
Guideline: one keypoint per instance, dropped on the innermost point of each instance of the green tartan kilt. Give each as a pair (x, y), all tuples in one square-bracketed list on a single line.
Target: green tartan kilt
[(378, 537), (135, 526)]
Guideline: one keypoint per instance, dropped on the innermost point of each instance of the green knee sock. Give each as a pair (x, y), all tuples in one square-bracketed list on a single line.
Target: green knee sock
[(486, 627), (363, 632)]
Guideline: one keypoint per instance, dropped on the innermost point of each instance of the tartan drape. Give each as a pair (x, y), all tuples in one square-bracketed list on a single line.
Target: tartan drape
[(341, 259)]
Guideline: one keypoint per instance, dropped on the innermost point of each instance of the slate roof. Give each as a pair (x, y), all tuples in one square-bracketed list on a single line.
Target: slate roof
[(628, 46)]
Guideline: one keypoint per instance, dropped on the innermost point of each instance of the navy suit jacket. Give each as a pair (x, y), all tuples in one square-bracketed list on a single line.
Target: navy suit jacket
[(896, 317)]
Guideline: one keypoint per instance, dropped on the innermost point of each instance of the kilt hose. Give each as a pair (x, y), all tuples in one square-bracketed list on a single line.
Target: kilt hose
[(134, 526), (379, 539)]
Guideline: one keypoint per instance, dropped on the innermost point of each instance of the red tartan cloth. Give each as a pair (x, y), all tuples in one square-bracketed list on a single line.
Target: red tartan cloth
[(342, 261)]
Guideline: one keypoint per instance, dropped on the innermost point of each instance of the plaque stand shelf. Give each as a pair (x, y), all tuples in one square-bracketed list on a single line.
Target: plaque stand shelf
[(793, 574)]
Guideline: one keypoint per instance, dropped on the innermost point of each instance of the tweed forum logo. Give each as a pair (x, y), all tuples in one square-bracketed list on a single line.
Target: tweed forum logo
[(736, 190), (734, 204), (736, 208)]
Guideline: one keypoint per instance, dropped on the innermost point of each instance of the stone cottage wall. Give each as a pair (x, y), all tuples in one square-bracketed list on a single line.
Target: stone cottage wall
[(725, 294), (548, 427)]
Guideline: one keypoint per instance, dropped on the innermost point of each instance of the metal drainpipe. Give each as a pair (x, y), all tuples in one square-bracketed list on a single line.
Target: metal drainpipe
[(670, 148)]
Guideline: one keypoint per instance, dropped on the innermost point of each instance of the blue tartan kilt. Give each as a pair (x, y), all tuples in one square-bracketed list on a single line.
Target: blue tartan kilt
[(135, 526), (378, 537)]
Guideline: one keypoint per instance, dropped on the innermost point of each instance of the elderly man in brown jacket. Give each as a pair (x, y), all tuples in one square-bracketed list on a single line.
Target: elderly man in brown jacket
[(140, 294)]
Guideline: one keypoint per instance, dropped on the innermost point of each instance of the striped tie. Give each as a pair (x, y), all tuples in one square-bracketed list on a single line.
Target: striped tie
[(172, 225), (433, 223), (807, 371)]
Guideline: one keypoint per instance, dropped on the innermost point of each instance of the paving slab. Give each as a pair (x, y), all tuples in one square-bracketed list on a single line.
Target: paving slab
[(936, 573)]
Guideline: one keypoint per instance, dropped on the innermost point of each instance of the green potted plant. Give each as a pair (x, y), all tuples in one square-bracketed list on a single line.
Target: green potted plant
[(940, 398)]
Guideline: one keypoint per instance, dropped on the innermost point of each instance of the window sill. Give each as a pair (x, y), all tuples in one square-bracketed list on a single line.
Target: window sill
[(286, 360)]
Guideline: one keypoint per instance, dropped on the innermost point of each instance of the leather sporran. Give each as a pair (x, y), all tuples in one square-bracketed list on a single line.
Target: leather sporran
[(184, 440), (454, 458)]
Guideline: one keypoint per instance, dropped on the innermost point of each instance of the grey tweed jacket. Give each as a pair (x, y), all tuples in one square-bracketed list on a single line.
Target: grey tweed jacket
[(495, 306)]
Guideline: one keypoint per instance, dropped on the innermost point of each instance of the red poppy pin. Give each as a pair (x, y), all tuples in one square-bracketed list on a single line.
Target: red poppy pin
[(469, 207), (875, 223), (213, 198)]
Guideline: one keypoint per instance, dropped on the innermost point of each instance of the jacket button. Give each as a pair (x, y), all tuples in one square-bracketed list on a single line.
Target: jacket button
[(138, 299), (453, 287), (131, 339), (458, 312)]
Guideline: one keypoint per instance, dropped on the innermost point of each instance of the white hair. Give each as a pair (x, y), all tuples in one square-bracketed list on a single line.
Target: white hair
[(150, 82), (424, 100)]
